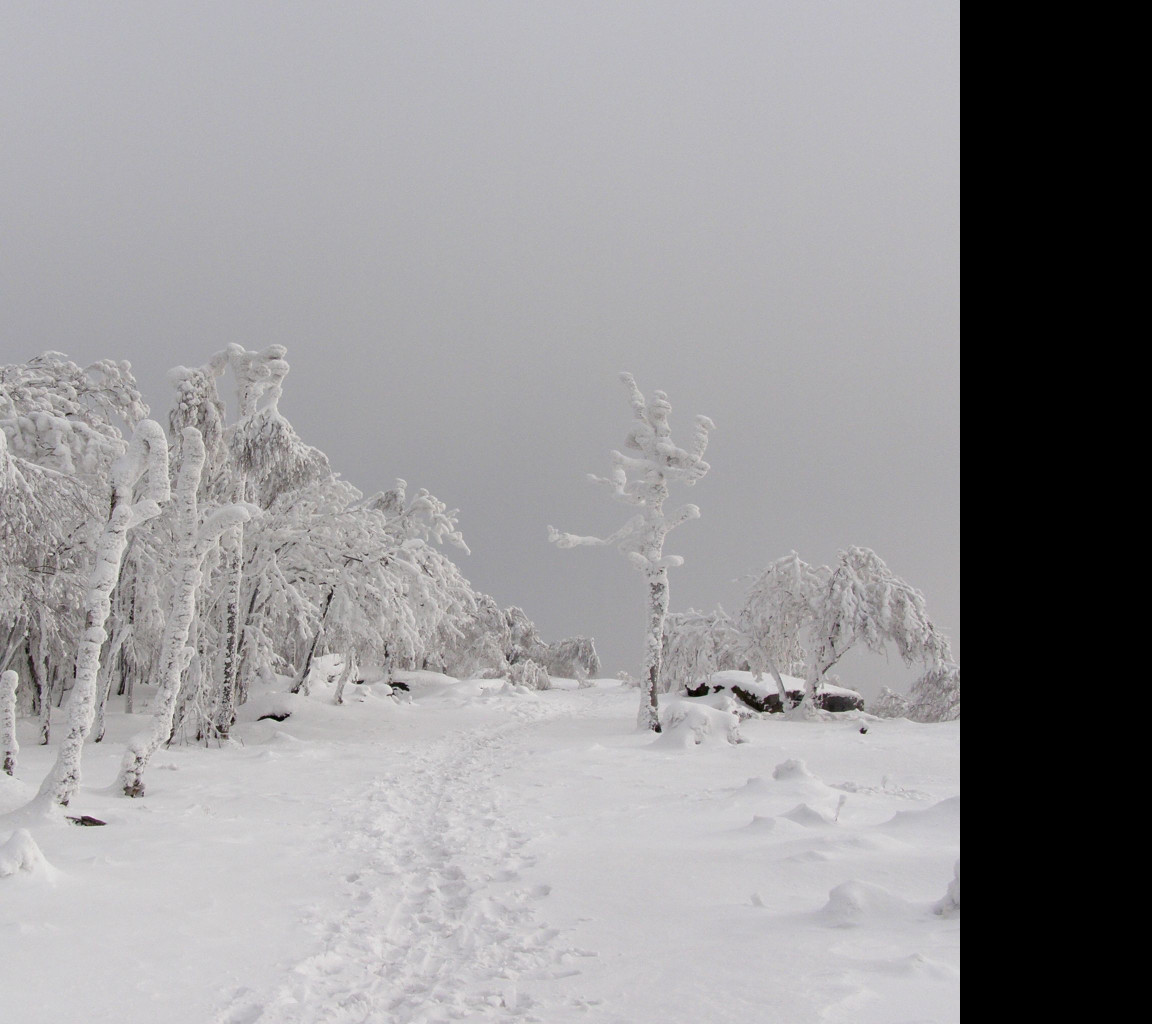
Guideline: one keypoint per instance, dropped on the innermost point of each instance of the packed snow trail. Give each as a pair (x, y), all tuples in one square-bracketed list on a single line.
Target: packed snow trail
[(435, 923)]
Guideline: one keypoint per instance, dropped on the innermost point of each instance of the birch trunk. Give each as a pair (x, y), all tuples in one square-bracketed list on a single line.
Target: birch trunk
[(233, 545), (649, 715), (148, 443), (8, 683), (193, 542)]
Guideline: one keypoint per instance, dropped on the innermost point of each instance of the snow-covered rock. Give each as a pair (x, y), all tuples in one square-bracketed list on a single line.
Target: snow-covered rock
[(688, 725)]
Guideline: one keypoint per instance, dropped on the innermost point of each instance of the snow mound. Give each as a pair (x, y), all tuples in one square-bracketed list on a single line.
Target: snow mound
[(807, 816), (853, 903), (950, 904), (791, 769), (687, 725), (946, 813), (20, 853), (760, 823), (270, 705)]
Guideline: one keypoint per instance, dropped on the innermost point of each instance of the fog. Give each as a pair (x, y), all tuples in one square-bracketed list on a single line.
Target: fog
[(463, 220)]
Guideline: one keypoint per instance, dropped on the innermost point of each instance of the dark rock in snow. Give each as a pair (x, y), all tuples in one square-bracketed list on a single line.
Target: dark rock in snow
[(276, 716), (85, 819)]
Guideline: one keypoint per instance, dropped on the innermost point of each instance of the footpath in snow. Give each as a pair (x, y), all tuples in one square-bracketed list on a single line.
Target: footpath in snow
[(470, 853)]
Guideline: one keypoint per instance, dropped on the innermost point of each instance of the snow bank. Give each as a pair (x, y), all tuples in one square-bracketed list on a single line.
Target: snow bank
[(852, 903)]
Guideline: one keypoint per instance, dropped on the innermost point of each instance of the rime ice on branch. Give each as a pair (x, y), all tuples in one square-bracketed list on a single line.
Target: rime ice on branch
[(642, 481)]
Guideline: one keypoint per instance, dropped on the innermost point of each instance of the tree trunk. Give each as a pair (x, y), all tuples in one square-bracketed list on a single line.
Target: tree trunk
[(61, 783), (233, 545), (301, 684), (350, 669), (649, 716), (8, 745), (42, 681), (64, 779)]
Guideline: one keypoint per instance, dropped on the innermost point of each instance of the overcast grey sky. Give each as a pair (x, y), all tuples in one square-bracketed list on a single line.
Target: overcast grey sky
[(463, 219)]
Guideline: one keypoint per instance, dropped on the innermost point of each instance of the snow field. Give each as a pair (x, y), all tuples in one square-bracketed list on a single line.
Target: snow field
[(472, 853)]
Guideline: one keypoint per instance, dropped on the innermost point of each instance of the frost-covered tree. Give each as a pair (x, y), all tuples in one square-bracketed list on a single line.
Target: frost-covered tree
[(194, 538), (62, 428), (858, 602), (147, 456), (642, 481)]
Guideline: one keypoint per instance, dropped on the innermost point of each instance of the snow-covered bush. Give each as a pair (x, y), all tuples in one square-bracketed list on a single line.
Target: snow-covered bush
[(935, 697), (529, 674), (573, 658)]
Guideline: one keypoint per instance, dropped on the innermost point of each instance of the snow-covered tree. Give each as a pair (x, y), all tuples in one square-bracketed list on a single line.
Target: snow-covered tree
[(62, 428), (147, 456), (194, 538), (833, 609), (642, 481)]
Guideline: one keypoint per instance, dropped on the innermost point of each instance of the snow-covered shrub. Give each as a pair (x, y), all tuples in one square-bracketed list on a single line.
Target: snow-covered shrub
[(935, 697), (529, 674), (573, 658)]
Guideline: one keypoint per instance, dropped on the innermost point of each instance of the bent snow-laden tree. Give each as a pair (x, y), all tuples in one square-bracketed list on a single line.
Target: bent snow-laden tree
[(147, 454), (831, 610), (642, 481), (193, 539)]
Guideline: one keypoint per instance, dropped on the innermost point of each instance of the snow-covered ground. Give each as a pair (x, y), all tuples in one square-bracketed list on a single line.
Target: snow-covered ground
[(474, 853)]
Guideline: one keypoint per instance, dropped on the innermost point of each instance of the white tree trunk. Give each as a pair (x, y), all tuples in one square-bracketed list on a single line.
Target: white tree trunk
[(350, 669), (8, 683), (193, 542), (148, 442)]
